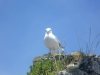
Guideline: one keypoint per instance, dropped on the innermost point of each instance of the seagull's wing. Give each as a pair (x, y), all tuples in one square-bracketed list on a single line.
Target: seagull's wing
[(57, 39), (58, 42)]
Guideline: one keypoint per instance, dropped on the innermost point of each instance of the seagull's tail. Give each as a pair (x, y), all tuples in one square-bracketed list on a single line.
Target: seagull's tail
[(62, 49)]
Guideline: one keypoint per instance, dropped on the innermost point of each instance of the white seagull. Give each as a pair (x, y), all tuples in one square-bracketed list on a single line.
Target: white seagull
[(51, 41)]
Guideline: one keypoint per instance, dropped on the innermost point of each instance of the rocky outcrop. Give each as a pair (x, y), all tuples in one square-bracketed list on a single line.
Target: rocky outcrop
[(88, 66), (76, 63)]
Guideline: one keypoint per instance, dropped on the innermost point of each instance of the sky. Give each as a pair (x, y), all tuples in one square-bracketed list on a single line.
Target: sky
[(23, 24)]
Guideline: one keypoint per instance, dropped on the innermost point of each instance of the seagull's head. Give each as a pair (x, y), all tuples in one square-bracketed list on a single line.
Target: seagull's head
[(48, 30)]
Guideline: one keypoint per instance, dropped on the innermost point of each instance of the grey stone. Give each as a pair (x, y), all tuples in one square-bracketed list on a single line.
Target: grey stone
[(63, 72)]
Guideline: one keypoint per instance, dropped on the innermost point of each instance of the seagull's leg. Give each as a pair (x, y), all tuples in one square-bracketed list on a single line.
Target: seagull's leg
[(49, 53), (59, 55)]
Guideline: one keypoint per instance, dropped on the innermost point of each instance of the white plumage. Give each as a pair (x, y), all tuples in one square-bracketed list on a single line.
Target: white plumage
[(51, 41)]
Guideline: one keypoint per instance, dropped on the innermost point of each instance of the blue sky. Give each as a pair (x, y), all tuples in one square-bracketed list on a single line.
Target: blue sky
[(23, 24)]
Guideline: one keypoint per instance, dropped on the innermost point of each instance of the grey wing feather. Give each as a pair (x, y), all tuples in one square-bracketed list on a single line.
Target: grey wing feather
[(58, 42), (57, 39)]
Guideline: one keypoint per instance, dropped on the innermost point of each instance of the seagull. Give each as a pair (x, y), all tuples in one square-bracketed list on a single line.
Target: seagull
[(51, 41)]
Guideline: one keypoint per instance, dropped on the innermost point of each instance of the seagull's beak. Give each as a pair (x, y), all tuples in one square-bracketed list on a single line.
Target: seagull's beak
[(47, 31)]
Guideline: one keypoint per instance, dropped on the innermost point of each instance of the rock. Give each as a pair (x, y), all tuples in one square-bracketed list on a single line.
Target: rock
[(91, 55), (96, 67), (77, 53), (63, 72), (37, 59), (74, 70), (89, 65)]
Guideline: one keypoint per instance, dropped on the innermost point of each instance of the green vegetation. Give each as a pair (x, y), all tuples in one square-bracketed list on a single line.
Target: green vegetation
[(45, 67)]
